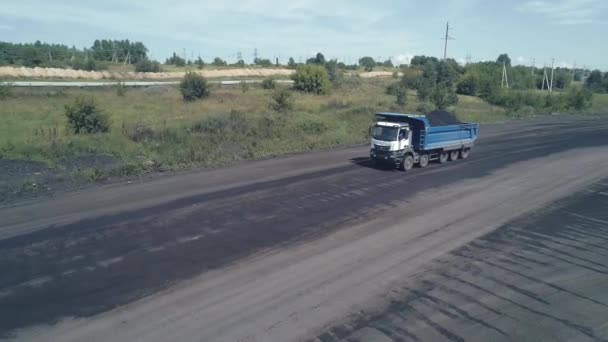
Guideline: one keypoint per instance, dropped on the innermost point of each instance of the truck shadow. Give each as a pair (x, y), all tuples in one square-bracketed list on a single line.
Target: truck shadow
[(367, 163)]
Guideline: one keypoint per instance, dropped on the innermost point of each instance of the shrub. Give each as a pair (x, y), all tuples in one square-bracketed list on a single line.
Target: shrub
[(193, 87), (121, 90), (401, 96), (146, 65), (424, 89), (244, 86), (333, 72), (268, 83), (281, 101), (424, 108), (311, 79), (5, 91), (83, 116), (578, 98), (442, 97)]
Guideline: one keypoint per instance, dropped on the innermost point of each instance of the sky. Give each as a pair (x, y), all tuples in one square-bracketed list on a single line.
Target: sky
[(569, 31)]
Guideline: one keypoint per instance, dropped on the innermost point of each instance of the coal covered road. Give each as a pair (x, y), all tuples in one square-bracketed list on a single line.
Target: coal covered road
[(508, 245)]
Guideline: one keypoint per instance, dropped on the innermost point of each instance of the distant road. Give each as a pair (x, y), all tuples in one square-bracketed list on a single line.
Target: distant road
[(113, 83)]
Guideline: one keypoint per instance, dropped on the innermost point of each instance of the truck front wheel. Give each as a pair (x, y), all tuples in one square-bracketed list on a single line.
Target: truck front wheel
[(424, 161), (408, 163), (443, 157)]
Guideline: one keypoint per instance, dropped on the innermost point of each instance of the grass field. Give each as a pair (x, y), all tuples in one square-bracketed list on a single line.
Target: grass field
[(152, 129)]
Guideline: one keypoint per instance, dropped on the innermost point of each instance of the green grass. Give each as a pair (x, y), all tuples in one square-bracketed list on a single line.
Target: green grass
[(599, 103), (153, 129)]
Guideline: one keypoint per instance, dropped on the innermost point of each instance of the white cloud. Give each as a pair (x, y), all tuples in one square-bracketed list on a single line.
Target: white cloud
[(522, 60), (567, 12), (404, 58)]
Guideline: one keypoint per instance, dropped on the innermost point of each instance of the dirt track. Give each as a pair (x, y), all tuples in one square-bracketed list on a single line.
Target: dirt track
[(286, 249)]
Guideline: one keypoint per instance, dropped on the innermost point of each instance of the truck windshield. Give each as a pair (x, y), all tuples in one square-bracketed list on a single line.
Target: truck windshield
[(385, 133)]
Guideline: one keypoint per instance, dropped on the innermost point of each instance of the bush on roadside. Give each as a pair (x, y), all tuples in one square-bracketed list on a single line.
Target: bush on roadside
[(121, 89), (83, 116), (281, 101), (578, 98), (268, 83), (311, 79), (5, 91), (193, 86)]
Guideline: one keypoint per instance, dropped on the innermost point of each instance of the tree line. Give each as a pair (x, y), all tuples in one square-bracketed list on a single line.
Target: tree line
[(39, 54)]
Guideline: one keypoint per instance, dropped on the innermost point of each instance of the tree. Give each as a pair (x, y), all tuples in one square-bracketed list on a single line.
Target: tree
[(193, 86), (424, 88), (176, 60), (442, 97), (218, 62), (368, 63), (388, 63), (503, 58), (334, 74), (200, 63), (311, 79), (292, 63), (320, 58), (595, 81), (146, 65), (423, 60), (262, 62), (240, 63)]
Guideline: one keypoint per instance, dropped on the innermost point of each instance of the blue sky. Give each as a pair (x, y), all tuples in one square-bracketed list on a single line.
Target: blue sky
[(567, 30)]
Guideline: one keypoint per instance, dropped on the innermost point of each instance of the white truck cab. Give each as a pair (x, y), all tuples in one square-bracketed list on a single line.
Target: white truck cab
[(389, 141)]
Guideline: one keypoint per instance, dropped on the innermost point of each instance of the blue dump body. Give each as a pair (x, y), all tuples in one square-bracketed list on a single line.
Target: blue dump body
[(427, 137)]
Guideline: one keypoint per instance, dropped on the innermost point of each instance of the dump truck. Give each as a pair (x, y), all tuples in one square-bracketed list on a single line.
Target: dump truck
[(405, 140)]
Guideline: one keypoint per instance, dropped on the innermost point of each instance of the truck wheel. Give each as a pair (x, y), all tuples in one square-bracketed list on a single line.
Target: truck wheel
[(454, 155), (408, 163), (424, 161), (443, 157), (464, 154)]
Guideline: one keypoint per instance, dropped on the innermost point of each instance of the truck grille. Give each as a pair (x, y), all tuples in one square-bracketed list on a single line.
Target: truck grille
[(381, 148)]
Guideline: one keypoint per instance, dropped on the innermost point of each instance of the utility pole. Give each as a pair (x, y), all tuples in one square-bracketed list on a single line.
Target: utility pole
[(468, 59), (505, 76), (50, 56), (533, 63), (574, 72), (127, 58), (545, 78), (552, 68), (447, 37)]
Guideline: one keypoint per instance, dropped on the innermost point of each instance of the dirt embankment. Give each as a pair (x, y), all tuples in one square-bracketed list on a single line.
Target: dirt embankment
[(55, 73)]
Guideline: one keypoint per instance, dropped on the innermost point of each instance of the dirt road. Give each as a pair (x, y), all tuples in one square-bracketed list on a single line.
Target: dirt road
[(321, 246)]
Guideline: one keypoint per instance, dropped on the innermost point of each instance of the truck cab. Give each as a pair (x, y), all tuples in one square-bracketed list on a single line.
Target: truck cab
[(390, 141)]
